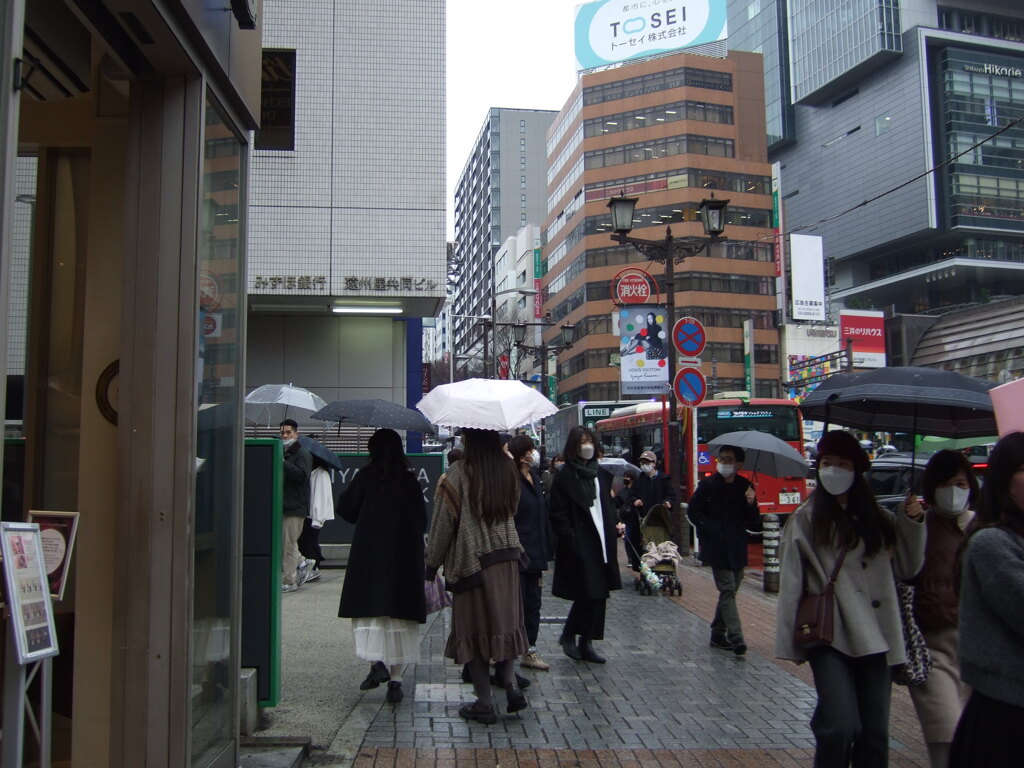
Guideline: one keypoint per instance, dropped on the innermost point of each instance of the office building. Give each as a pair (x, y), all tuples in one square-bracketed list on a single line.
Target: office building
[(897, 127), (672, 131), (347, 232), (502, 188)]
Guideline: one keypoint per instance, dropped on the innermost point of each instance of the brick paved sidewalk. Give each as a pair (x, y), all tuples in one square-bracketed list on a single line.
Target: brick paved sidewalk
[(664, 698)]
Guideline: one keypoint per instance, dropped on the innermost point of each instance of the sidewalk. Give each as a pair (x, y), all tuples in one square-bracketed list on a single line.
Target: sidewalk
[(664, 698)]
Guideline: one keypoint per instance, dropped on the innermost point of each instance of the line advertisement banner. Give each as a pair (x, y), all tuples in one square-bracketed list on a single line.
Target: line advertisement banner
[(806, 257), (611, 31), (643, 349)]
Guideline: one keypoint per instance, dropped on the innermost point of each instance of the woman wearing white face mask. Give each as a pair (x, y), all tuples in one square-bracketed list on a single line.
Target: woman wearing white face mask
[(842, 524), (949, 489), (585, 524)]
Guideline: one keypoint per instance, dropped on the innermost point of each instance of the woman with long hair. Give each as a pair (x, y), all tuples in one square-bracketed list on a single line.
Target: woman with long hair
[(473, 535), (842, 524), (586, 526), (532, 527), (992, 617), (383, 589), (949, 488)]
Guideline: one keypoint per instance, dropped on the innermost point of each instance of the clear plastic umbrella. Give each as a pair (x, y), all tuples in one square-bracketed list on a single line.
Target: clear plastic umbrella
[(260, 401), (498, 404)]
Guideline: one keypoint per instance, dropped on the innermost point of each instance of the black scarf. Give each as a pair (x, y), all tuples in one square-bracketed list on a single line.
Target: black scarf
[(585, 473)]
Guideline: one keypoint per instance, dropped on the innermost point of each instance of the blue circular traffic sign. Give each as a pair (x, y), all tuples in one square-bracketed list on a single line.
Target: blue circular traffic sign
[(689, 337), (690, 386)]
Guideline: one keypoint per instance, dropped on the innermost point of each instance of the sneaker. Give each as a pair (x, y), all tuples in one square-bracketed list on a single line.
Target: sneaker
[(532, 660), (721, 643), (289, 587), (302, 572), (394, 693), (378, 674), (313, 575)]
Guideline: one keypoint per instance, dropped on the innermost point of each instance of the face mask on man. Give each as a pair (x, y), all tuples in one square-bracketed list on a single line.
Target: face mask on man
[(288, 442), (951, 500), (587, 452), (835, 480), (534, 458), (648, 468), (726, 470)]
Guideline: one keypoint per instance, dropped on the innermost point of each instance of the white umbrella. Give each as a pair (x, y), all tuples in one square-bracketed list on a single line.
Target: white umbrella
[(498, 404), (765, 454), (285, 395)]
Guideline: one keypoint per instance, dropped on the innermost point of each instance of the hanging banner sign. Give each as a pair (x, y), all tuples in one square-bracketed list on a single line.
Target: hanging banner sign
[(689, 337), (643, 350), (690, 385)]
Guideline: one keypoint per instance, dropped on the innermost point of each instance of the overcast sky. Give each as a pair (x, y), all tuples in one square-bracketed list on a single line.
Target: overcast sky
[(516, 54)]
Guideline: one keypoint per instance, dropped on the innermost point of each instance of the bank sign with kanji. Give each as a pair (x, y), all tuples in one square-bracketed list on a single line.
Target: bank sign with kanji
[(612, 31)]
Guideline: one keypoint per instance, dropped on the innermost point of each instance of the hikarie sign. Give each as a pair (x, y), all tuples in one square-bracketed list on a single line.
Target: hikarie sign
[(867, 329)]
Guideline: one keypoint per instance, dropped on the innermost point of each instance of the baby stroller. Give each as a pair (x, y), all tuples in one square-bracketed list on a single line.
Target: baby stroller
[(660, 554)]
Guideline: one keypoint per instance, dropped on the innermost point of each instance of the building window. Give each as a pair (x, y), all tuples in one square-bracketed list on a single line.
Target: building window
[(522, 145), (522, 182), (277, 102), (522, 162), (522, 201), (522, 126), (882, 124)]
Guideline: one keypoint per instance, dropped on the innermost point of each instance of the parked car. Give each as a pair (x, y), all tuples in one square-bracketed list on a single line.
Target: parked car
[(893, 475)]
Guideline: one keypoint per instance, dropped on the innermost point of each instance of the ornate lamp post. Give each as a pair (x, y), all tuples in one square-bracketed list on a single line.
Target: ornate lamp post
[(669, 251)]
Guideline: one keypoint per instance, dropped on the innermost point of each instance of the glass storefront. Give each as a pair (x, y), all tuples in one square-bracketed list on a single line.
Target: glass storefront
[(219, 440)]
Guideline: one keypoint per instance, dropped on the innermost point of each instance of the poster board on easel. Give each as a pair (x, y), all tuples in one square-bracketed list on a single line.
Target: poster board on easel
[(57, 532), (28, 594)]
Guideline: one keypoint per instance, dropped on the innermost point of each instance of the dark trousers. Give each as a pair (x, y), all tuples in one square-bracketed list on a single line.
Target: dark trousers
[(586, 619), (851, 721), (309, 542), (530, 587), (726, 623), (634, 541)]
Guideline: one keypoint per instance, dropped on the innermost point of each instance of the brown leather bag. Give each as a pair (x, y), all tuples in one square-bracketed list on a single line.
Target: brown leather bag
[(815, 612)]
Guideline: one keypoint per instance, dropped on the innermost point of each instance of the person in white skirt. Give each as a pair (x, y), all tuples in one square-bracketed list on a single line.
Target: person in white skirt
[(383, 590)]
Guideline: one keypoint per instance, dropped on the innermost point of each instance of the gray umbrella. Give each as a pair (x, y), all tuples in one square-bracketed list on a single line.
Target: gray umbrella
[(923, 401), (373, 412), (321, 451), (765, 454)]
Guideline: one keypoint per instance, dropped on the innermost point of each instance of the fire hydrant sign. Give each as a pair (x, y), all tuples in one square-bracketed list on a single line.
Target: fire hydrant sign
[(634, 286)]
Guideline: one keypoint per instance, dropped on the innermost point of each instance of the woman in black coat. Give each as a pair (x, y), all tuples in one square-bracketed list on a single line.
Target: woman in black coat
[(585, 524), (383, 590)]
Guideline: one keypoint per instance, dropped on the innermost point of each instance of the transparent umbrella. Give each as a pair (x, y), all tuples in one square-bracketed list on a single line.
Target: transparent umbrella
[(279, 399)]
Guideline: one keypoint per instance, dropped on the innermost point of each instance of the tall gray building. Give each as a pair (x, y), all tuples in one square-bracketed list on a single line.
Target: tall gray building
[(347, 217), (503, 187), (897, 126)]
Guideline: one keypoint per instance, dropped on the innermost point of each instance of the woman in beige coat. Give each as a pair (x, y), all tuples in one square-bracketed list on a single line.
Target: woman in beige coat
[(852, 675)]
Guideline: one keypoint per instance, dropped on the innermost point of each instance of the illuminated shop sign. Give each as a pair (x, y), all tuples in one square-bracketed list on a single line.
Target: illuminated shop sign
[(992, 69)]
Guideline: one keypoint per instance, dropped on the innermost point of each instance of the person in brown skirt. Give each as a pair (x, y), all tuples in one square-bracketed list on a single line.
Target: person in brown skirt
[(473, 535)]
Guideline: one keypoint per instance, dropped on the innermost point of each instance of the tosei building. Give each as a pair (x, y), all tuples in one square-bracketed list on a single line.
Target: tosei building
[(670, 130), (346, 236), (897, 127)]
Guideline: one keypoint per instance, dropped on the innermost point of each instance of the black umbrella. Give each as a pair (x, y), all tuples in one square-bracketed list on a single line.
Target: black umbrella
[(374, 413), (910, 399), (321, 451)]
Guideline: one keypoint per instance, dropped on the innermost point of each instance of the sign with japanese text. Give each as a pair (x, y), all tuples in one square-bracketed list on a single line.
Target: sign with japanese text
[(807, 262), (867, 329), (612, 31), (28, 594), (634, 286), (643, 349)]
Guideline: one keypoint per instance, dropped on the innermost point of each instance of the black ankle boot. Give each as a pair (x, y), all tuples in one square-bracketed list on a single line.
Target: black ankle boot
[(569, 647), (588, 653)]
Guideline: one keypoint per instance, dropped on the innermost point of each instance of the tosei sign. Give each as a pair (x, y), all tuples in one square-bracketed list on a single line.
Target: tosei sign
[(612, 31)]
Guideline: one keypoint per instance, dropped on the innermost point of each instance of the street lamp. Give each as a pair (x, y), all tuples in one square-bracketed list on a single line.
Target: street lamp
[(669, 252), (451, 341), (567, 339), (493, 318)]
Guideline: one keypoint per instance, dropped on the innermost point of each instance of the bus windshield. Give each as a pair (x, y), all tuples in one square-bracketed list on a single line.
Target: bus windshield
[(781, 421)]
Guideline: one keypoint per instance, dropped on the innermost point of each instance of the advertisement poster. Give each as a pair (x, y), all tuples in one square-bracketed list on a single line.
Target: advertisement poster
[(644, 347), (28, 596), (867, 329), (57, 533), (806, 255)]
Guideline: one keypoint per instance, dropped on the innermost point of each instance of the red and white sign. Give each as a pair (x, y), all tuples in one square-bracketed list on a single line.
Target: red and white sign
[(689, 337), (212, 325), (634, 286), (503, 366), (210, 292), (867, 329), (690, 385)]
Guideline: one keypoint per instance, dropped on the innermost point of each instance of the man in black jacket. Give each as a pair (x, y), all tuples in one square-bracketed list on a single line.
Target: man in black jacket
[(723, 509), (650, 488), (298, 464)]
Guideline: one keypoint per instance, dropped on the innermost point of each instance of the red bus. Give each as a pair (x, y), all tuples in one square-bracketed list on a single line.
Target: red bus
[(637, 428)]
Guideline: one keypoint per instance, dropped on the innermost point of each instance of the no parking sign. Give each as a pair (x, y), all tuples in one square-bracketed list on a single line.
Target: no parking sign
[(690, 386), (689, 337)]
